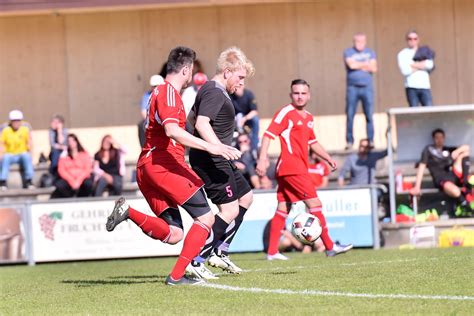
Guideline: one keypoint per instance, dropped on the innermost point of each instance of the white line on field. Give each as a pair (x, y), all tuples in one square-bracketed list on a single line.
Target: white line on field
[(331, 293), (337, 264)]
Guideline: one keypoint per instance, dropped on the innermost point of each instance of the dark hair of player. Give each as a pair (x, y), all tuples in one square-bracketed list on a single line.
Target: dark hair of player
[(178, 58), (299, 81), (436, 131)]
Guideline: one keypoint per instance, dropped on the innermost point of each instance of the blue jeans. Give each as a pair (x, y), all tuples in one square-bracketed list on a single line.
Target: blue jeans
[(415, 96), (253, 123), (23, 160), (366, 95)]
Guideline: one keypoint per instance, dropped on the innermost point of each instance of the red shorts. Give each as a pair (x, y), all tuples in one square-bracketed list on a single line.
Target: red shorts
[(294, 188), (165, 186)]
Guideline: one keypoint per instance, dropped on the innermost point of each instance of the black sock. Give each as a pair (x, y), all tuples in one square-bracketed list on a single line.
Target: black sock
[(466, 164), (222, 246), (218, 229), (462, 200)]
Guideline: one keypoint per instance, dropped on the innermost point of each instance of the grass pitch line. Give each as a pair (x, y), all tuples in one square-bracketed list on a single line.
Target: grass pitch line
[(331, 293)]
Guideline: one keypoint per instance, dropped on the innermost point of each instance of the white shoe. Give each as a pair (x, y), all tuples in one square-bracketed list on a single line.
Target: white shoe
[(338, 249), (277, 256), (199, 270), (223, 261)]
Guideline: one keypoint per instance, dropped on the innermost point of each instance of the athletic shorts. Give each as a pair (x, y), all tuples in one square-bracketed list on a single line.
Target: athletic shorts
[(172, 217), (223, 182), (440, 179), (294, 188), (166, 186)]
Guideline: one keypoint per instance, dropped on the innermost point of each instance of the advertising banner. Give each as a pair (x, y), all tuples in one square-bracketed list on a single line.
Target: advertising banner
[(12, 234), (76, 231), (348, 213)]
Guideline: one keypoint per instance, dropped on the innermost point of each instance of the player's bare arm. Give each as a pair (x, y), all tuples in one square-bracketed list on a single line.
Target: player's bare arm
[(321, 152), (203, 126), (178, 134), (419, 177), (263, 163)]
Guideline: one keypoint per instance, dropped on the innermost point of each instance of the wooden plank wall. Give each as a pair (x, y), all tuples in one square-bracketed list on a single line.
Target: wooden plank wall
[(94, 67)]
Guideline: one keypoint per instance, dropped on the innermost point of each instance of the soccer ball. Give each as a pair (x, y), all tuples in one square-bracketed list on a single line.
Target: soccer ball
[(306, 228)]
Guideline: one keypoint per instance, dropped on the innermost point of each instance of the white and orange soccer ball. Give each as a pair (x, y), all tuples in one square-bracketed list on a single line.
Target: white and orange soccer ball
[(306, 228)]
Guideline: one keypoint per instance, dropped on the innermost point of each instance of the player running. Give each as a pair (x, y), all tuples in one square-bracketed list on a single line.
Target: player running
[(164, 178), (214, 116), (294, 126)]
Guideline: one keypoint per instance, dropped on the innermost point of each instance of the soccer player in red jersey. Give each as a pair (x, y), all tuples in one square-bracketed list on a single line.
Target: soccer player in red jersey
[(294, 126), (164, 178)]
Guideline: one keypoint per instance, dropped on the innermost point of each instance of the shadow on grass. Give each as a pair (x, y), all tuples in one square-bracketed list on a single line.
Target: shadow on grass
[(284, 272), (120, 280)]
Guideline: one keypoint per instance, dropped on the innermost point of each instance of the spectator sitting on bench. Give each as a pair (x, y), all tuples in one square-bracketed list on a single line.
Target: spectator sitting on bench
[(109, 167), (74, 171), (361, 165), (449, 168), (15, 148)]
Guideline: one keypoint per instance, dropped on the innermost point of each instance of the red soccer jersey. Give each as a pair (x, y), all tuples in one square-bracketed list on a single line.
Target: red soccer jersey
[(296, 133), (317, 172), (165, 106)]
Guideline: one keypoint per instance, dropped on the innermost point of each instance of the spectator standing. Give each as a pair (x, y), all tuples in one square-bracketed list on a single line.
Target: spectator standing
[(74, 171), (246, 113), (109, 167), (318, 170), (15, 148), (361, 64), (449, 168), (155, 80), (416, 72), (361, 166), (58, 142)]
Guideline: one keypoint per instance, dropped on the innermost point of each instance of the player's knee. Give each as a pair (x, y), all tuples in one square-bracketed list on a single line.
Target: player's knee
[(207, 219), (246, 200), (176, 235)]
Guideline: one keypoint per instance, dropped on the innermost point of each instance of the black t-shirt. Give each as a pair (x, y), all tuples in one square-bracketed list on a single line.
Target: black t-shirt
[(112, 167), (213, 101), (437, 161), (245, 103)]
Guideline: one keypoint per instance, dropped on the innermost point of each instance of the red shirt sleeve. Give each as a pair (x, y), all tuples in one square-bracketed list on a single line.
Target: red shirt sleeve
[(312, 136), (168, 105), (277, 126)]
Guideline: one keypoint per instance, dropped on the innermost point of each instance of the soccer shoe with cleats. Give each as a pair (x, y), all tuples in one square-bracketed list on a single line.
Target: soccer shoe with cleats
[(223, 261), (338, 249), (118, 215), (183, 281), (200, 271), (277, 256)]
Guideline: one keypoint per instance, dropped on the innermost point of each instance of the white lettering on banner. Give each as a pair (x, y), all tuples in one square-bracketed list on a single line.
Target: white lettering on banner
[(341, 202)]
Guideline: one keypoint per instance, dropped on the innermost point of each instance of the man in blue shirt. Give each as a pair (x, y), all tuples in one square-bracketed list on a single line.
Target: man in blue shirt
[(360, 64)]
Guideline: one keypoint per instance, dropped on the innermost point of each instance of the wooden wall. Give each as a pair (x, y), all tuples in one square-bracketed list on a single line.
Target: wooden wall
[(94, 67)]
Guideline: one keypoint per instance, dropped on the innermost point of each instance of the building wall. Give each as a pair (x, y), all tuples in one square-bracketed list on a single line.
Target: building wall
[(94, 67)]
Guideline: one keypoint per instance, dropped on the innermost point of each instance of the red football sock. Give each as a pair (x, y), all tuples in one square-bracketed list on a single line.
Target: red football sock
[(276, 226), (193, 243), (327, 241), (154, 227)]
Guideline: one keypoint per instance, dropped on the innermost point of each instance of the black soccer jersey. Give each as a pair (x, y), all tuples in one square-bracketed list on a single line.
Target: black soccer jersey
[(214, 102), (437, 161)]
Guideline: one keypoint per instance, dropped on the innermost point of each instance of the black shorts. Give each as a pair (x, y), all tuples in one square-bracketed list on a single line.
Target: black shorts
[(223, 182), (172, 217), (439, 179)]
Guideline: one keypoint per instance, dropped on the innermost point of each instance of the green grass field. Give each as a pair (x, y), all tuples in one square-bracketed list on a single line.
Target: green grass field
[(432, 281)]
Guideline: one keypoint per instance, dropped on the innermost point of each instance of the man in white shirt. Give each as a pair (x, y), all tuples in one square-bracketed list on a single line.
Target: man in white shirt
[(417, 76)]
